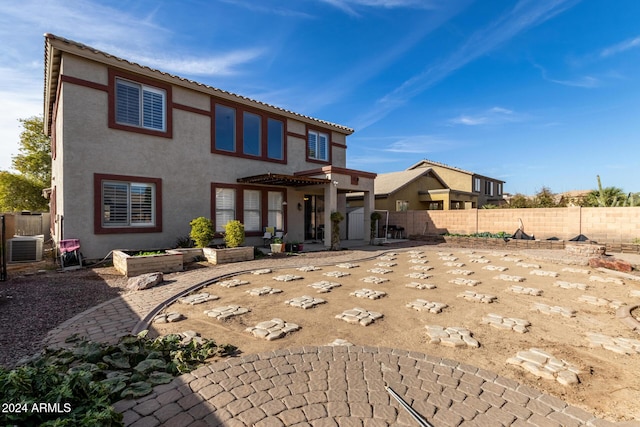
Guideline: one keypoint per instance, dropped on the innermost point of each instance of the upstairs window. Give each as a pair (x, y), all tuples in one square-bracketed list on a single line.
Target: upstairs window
[(140, 105), (251, 134), (275, 139), (476, 185), (488, 188), (225, 135), (318, 144)]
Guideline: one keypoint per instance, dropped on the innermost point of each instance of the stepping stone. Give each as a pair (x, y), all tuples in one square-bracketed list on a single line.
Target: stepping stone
[(191, 336), (602, 302), (305, 302), (359, 316), (480, 261), (634, 293), (386, 264), (287, 278), (261, 271), (448, 258), (374, 279), (347, 265), (338, 342), (308, 268), (232, 283), (415, 252), (378, 270), (465, 282), (386, 258), (509, 278), (569, 285), (547, 309), (507, 323), (168, 317), (527, 265), (452, 336), (576, 270), (272, 329), (424, 305), (495, 268), (421, 286), (225, 312), (525, 291), (617, 345), (459, 272), (606, 280), (545, 365), (368, 293), (475, 256), (324, 286), (265, 290), (477, 297), (197, 298), (336, 274), (544, 273), (418, 261), (511, 259), (454, 264), (420, 276), (444, 253), (421, 268), (417, 256)]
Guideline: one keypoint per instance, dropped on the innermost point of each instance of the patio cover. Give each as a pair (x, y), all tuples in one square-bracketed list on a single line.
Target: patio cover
[(283, 180)]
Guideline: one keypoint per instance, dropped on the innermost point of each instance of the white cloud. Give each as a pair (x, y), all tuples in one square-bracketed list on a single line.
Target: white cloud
[(587, 82), (620, 47), (349, 6), (492, 116)]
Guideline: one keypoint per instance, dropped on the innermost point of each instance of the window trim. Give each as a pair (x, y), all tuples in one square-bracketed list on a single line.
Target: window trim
[(239, 206), (99, 228), (477, 185), (238, 150), (329, 145), (152, 84)]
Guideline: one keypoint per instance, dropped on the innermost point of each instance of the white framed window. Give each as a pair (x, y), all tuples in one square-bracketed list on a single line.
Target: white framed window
[(252, 214), (225, 207), (499, 189), (488, 188), (402, 205), (476, 185), (275, 215), (128, 204), (318, 144), (140, 105)]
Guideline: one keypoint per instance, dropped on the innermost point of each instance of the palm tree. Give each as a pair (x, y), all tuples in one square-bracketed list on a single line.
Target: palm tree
[(608, 196)]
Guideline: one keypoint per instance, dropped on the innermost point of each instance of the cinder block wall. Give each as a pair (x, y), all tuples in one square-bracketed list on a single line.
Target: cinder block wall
[(613, 225)]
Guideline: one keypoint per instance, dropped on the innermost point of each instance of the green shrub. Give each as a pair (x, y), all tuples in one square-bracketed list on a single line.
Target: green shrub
[(336, 218), (201, 231), (234, 234), (375, 217)]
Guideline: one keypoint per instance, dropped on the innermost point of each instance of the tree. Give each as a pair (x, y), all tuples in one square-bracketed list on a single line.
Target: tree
[(607, 196), (544, 199), (23, 190), (519, 201)]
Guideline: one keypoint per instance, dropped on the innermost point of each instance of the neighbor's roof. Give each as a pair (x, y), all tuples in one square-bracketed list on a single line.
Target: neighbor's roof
[(54, 45), (428, 163), (388, 183)]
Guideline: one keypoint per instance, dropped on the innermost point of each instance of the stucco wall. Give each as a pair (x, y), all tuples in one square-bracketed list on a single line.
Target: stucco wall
[(613, 225)]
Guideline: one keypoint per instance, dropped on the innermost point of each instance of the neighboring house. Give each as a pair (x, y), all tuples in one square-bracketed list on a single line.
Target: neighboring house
[(138, 153), (430, 185), (571, 198)]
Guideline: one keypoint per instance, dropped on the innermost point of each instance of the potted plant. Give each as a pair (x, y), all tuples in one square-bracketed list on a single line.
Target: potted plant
[(276, 245), (293, 247)]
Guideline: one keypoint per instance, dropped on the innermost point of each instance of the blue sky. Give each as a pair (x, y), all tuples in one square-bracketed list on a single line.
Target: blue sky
[(533, 92)]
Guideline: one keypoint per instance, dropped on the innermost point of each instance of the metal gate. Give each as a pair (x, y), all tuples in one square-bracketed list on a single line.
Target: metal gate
[(355, 224)]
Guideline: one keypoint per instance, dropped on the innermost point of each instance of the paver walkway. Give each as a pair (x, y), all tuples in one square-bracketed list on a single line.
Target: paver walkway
[(315, 386)]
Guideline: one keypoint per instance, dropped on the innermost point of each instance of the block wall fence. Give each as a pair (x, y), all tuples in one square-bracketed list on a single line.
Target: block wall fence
[(612, 225)]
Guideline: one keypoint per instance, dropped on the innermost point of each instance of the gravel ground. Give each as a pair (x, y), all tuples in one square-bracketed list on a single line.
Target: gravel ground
[(32, 302)]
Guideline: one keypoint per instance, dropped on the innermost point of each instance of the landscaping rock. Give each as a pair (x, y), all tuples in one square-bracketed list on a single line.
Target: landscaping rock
[(145, 281), (611, 264)]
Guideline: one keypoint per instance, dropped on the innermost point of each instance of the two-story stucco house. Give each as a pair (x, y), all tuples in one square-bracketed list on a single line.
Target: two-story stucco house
[(138, 153)]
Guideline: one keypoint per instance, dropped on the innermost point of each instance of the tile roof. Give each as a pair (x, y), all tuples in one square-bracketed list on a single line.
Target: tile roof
[(387, 183), (50, 38)]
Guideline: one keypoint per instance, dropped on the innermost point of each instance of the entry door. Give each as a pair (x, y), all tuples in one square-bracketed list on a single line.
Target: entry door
[(314, 228)]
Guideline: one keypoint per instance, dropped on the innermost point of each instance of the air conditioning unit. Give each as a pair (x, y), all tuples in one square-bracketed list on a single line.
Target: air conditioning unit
[(26, 248)]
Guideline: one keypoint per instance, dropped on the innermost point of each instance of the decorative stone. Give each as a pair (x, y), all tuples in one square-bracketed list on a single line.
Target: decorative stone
[(305, 302), (507, 323), (611, 264), (544, 365), (232, 283), (368, 293), (387, 258), (287, 278), (374, 279), (451, 337), (265, 290), (576, 270), (424, 305), (261, 271), (448, 258), (339, 342), (168, 317), (197, 298), (454, 264), (418, 261), (525, 291), (421, 268), (511, 259), (420, 276), (347, 265), (634, 293), (602, 302), (495, 268), (145, 281), (544, 273), (478, 297), (336, 274), (359, 316), (444, 253), (547, 309), (420, 286), (614, 280), (415, 252), (378, 270), (465, 282), (459, 272), (386, 264), (618, 345), (509, 278), (479, 261), (272, 329), (569, 285), (527, 265), (324, 286), (225, 312), (308, 268)]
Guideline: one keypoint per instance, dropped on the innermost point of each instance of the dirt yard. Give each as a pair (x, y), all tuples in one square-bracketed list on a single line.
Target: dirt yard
[(609, 384)]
